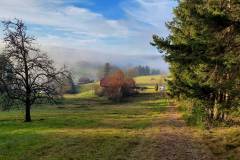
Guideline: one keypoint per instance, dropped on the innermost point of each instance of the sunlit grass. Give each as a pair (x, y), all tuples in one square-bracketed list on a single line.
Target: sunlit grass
[(83, 127), (224, 142), (84, 94), (149, 80)]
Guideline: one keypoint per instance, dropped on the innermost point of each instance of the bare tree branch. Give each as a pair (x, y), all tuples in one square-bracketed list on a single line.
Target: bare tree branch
[(33, 73)]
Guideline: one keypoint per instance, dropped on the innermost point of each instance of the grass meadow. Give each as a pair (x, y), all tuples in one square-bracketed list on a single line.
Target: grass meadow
[(82, 127), (87, 127)]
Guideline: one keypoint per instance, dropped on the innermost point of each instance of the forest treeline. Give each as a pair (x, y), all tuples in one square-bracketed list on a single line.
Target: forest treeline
[(139, 70), (95, 70), (203, 51), (74, 80)]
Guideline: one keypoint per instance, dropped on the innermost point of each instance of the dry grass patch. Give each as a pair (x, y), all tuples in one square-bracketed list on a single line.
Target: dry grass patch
[(224, 142)]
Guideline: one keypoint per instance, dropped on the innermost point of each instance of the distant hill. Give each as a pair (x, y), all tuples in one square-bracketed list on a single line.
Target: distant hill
[(149, 80)]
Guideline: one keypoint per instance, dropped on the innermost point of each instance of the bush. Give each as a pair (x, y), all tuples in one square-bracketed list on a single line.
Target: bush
[(99, 91), (193, 112), (117, 86), (128, 88)]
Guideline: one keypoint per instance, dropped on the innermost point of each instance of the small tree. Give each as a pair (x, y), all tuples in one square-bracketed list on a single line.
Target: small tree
[(107, 69), (35, 77), (116, 86), (70, 85)]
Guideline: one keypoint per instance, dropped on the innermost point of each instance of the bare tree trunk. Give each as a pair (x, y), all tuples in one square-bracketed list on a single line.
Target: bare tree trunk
[(34, 74), (28, 111), (229, 4), (211, 116), (223, 116)]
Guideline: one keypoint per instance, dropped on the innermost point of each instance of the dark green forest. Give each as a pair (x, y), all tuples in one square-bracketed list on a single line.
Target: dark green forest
[(203, 51)]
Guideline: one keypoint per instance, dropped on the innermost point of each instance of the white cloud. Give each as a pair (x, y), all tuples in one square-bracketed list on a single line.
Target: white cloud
[(72, 34), (152, 12), (69, 18)]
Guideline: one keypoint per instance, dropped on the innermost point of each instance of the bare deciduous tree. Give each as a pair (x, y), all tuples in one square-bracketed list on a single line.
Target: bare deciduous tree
[(35, 76)]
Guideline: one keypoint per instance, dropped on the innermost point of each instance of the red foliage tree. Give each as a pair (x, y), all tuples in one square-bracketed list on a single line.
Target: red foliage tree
[(117, 86)]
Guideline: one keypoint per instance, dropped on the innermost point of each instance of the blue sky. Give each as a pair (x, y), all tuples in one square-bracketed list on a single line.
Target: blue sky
[(108, 8), (117, 31)]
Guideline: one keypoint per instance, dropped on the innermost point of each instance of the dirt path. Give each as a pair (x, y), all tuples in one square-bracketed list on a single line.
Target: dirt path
[(172, 139)]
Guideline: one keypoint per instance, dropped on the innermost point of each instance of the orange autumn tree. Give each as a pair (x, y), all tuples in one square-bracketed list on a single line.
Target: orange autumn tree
[(117, 85), (129, 87)]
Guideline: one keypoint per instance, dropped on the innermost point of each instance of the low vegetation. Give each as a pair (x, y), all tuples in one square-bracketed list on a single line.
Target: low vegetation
[(224, 142), (84, 127), (222, 138), (117, 86)]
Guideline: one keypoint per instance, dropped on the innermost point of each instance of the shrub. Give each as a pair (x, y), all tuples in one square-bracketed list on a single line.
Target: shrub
[(128, 88), (99, 91), (117, 86), (193, 112)]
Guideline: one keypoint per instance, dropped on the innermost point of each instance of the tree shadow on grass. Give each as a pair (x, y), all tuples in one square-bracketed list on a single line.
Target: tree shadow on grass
[(104, 146)]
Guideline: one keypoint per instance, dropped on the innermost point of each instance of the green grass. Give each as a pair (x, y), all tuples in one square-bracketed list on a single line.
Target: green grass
[(192, 113), (85, 91), (86, 127), (83, 127), (87, 87), (224, 142), (149, 80)]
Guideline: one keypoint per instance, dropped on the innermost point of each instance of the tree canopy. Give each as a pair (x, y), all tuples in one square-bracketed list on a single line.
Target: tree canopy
[(35, 76), (203, 51)]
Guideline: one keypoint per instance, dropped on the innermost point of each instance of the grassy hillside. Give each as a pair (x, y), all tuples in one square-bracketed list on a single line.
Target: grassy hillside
[(79, 129), (86, 127), (149, 80), (85, 90)]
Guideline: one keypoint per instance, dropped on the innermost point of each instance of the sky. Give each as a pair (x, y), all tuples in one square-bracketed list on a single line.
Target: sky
[(98, 31)]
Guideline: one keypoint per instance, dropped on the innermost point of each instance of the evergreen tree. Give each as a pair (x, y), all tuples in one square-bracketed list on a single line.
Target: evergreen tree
[(203, 51), (72, 87), (147, 70), (107, 69)]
